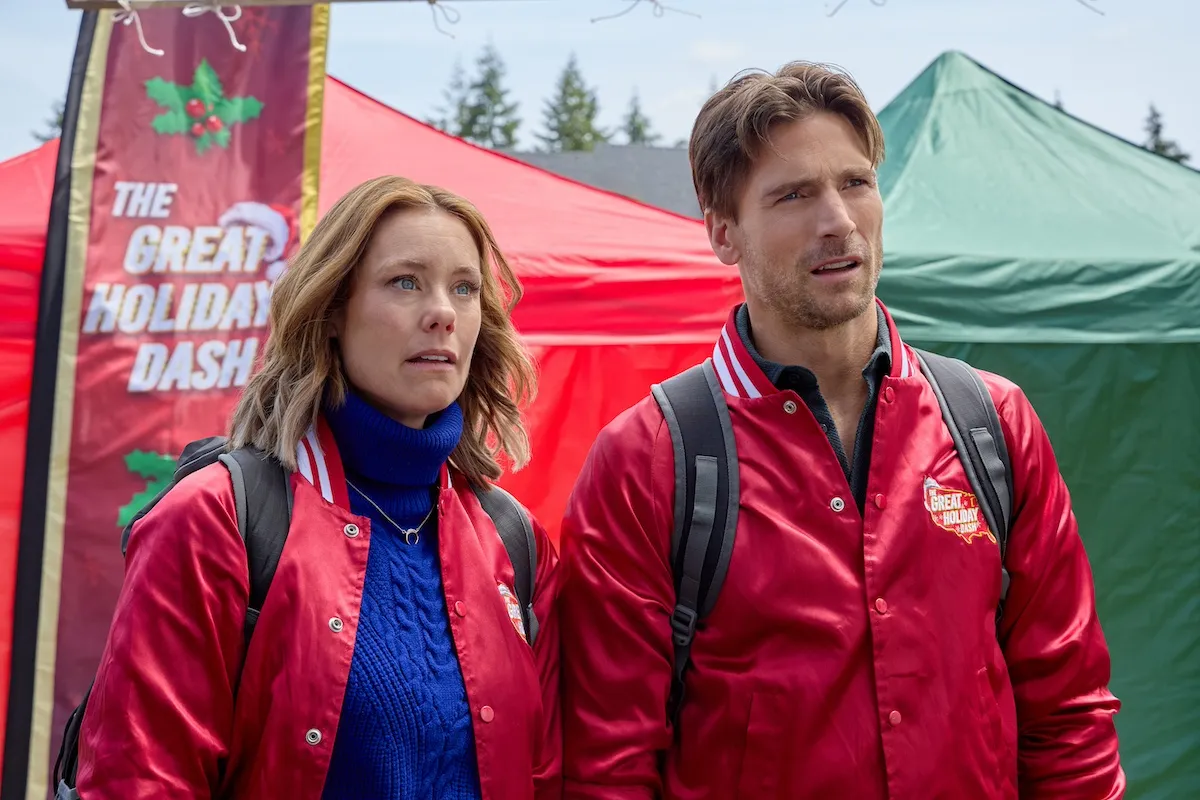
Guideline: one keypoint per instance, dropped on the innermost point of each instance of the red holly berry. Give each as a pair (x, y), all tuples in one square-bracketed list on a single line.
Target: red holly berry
[(215, 124), (198, 130), (195, 108)]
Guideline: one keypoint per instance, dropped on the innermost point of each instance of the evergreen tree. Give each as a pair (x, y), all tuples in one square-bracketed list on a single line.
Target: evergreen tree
[(489, 118), (636, 125), (455, 97), (1155, 142), (54, 125), (570, 115)]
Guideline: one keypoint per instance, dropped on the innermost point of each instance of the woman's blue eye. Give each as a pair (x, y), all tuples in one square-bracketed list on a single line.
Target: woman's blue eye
[(406, 283)]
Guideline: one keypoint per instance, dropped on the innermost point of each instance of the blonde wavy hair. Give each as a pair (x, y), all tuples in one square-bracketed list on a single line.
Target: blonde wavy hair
[(302, 366)]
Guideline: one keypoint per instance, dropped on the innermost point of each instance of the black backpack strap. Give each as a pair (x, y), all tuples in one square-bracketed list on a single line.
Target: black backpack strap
[(65, 792), (66, 765), (706, 504), (195, 456), (975, 427), (262, 493), (516, 531)]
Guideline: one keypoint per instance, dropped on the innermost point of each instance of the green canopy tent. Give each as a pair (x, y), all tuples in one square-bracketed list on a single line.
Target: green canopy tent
[(1068, 260)]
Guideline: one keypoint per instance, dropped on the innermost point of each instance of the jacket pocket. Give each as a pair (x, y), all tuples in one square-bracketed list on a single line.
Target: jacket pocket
[(766, 760)]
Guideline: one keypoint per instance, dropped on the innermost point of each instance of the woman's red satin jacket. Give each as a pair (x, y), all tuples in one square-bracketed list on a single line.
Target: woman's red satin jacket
[(181, 709)]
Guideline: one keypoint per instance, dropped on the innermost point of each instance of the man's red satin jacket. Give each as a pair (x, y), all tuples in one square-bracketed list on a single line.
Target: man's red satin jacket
[(849, 655)]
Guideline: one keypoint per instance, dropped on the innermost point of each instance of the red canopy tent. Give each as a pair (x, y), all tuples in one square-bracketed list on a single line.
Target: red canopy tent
[(617, 294), (25, 184)]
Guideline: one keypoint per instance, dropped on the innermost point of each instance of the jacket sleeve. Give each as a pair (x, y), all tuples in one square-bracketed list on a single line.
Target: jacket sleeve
[(1056, 653), (617, 653), (547, 777), (159, 718)]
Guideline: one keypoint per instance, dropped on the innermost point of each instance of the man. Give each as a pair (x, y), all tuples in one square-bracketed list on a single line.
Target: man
[(854, 649)]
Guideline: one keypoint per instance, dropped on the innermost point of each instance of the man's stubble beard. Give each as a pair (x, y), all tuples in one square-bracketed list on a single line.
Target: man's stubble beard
[(785, 291)]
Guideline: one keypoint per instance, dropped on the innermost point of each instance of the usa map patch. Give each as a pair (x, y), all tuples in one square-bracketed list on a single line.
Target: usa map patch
[(956, 511), (514, 610)]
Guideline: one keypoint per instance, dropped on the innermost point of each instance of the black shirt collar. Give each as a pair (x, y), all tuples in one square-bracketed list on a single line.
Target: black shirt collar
[(879, 364)]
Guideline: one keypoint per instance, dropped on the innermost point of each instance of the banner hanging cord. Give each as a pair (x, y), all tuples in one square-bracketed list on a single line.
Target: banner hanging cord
[(197, 9), (659, 9), (451, 14), (128, 15)]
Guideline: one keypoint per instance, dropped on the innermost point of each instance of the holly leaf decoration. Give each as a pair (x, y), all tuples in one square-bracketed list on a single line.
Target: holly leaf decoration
[(171, 122), (166, 94), (157, 469), (233, 110), (206, 85), (200, 111)]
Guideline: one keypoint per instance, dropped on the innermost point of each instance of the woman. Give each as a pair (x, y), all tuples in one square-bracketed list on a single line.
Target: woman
[(385, 663)]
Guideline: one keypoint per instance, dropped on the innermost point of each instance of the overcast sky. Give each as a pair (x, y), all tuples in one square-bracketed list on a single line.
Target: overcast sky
[(1107, 69)]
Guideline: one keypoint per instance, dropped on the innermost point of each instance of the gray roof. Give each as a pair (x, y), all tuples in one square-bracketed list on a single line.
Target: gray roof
[(657, 176)]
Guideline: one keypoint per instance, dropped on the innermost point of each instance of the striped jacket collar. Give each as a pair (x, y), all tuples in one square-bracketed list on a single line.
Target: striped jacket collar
[(318, 462), (740, 376)]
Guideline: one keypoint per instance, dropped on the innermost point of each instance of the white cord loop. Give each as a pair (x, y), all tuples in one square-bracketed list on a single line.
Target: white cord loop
[(129, 16), (227, 19)]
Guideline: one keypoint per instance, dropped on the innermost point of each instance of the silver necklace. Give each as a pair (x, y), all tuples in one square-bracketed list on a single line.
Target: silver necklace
[(411, 535)]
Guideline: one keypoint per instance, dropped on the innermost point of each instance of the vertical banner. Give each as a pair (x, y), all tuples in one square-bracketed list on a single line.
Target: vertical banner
[(187, 173)]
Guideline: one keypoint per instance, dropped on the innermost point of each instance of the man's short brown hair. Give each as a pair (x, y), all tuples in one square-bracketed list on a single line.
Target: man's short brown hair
[(736, 121)]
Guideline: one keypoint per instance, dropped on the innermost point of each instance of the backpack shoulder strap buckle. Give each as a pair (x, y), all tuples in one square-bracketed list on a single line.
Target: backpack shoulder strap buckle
[(683, 625)]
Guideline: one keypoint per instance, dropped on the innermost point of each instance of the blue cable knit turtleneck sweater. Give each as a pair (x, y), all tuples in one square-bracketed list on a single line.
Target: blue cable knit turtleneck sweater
[(405, 731)]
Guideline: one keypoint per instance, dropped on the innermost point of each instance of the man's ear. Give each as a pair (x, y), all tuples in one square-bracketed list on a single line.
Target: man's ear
[(723, 237)]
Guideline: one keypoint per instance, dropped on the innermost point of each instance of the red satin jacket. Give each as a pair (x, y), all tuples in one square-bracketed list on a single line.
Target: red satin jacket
[(849, 655), (175, 714)]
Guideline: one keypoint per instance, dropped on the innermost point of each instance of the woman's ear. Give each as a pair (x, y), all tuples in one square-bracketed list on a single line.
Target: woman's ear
[(336, 321)]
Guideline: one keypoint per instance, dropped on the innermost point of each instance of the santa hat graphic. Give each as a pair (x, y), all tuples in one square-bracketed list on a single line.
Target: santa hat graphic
[(279, 222)]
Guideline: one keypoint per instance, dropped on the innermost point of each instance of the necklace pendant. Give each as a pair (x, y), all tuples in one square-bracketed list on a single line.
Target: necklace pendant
[(411, 535)]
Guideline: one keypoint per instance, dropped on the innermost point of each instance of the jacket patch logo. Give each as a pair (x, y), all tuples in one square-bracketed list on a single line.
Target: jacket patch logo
[(514, 610), (956, 511)]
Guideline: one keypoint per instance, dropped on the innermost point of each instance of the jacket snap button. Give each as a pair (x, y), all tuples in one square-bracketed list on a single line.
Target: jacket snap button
[(837, 504), (881, 605), (880, 501), (335, 625), (350, 530), (888, 395), (460, 608), (789, 406), (894, 718), (313, 736), (487, 714)]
